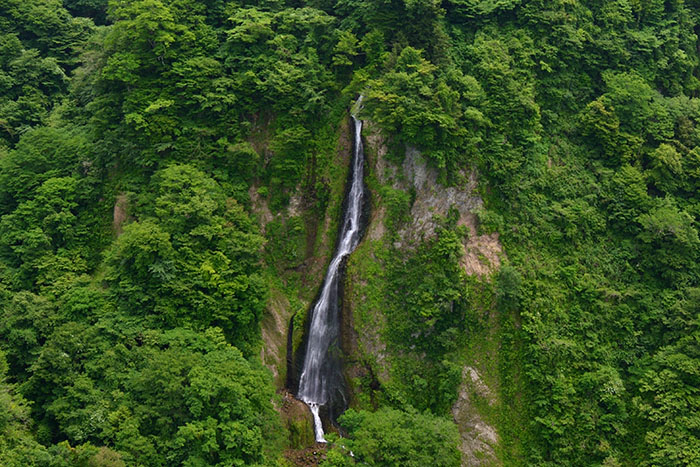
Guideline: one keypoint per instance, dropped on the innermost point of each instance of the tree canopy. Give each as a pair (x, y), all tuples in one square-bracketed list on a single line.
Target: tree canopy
[(172, 170)]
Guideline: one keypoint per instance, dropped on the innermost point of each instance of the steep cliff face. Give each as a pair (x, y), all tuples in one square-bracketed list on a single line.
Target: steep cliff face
[(369, 355)]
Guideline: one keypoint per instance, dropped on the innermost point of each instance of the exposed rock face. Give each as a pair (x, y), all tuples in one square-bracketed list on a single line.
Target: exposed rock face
[(121, 213), (274, 334), (298, 421), (482, 252), (478, 438), (482, 256), (259, 207), (433, 199)]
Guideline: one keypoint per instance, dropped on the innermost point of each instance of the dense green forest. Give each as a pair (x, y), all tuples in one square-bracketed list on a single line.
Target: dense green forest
[(139, 138)]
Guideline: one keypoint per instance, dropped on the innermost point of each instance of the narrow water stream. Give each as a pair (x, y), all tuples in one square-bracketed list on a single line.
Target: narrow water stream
[(324, 331)]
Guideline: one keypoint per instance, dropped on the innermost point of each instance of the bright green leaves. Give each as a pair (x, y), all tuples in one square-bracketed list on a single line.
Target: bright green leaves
[(27, 320), (42, 154), (671, 235), (398, 204), (239, 162), (39, 45), (202, 86), (28, 83), (176, 86), (193, 262), (186, 198), (424, 108), (473, 8), (42, 227), (603, 127), (281, 59), (501, 67), (638, 106), (148, 25), (591, 176), (219, 415), (432, 285), (140, 264), (158, 83), (18, 448), (173, 398), (425, 300), (122, 67), (416, 23), (391, 437), (666, 169), (669, 403), (577, 219), (227, 401), (346, 49), (579, 40), (250, 26), (511, 124), (629, 197), (291, 147), (45, 25)]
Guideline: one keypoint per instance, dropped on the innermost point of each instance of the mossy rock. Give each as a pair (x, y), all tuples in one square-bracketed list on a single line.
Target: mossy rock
[(299, 423)]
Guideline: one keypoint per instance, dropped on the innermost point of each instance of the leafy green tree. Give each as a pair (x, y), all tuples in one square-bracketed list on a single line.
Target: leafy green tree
[(42, 238), (666, 168), (412, 101), (671, 234), (42, 154), (139, 266), (17, 444), (629, 197), (602, 126), (95, 9), (512, 114), (292, 149), (390, 437), (157, 85), (638, 106), (178, 397), (84, 455), (194, 261), (281, 59), (669, 403), (27, 321), (428, 292), (47, 26), (426, 302), (29, 86)]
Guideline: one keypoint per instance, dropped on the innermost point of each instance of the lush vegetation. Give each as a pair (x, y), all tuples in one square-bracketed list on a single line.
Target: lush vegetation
[(136, 135), (391, 437)]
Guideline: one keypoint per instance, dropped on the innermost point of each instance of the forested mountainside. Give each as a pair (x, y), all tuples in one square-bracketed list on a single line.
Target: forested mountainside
[(172, 175)]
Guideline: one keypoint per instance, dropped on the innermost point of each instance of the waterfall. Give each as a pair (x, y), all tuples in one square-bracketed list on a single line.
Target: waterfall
[(314, 385)]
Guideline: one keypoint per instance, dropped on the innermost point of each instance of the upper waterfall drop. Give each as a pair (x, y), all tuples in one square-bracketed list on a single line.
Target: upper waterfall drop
[(324, 330)]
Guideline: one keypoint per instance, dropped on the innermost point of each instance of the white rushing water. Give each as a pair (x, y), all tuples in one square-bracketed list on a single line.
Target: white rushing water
[(324, 329)]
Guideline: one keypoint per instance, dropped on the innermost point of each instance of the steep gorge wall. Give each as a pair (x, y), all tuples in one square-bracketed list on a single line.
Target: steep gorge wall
[(368, 355), (364, 323)]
